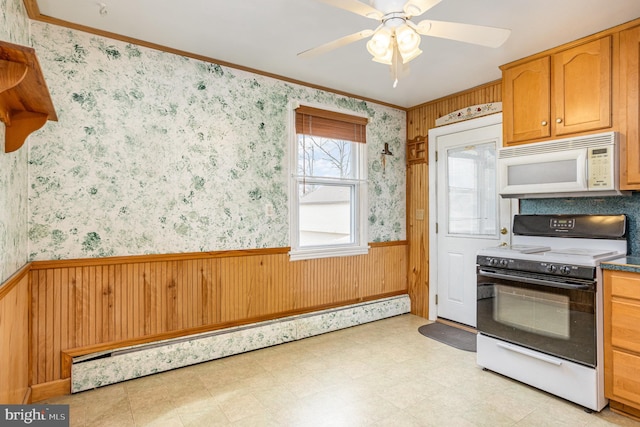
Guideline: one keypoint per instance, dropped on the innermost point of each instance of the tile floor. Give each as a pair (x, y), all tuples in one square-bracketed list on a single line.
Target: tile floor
[(378, 374)]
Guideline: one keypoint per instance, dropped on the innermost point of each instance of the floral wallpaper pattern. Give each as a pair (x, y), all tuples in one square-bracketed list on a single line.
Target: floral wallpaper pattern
[(14, 28), (158, 153)]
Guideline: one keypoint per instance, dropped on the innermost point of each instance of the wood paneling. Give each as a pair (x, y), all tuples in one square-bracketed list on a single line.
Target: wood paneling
[(14, 339), (423, 117), (418, 233), (419, 120), (51, 389), (142, 299)]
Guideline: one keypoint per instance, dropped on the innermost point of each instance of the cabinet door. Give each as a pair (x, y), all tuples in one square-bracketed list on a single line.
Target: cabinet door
[(527, 96), (582, 87), (625, 325), (629, 88), (622, 337), (626, 383)]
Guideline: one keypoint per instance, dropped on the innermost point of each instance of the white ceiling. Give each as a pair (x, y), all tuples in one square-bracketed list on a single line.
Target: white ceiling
[(266, 35)]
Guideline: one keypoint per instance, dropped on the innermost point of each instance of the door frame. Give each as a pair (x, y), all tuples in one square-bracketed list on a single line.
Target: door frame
[(433, 241)]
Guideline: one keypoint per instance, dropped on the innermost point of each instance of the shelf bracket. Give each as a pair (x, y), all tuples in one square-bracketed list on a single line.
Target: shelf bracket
[(23, 124), (25, 103), (11, 74)]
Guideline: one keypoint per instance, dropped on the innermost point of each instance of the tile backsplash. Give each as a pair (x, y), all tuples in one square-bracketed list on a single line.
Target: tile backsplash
[(629, 205)]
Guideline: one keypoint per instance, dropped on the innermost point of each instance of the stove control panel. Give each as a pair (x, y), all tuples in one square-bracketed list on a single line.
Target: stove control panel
[(558, 269), (562, 223), (612, 227)]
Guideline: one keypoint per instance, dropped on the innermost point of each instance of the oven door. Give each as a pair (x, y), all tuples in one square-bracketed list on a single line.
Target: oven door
[(546, 313)]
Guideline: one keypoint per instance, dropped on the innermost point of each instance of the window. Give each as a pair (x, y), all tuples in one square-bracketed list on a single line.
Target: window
[(471, 178), (328, 184)]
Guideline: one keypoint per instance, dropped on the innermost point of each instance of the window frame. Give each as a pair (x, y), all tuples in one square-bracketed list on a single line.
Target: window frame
[(359, 193)]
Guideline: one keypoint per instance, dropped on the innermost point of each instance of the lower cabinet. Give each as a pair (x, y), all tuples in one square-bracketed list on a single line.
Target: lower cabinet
[(622, 341)]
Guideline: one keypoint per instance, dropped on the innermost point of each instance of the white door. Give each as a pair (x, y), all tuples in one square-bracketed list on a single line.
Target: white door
[(469, 213)]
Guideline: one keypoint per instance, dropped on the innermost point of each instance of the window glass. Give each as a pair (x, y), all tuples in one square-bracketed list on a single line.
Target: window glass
[(324, 157), (471, 180), (325, 215)]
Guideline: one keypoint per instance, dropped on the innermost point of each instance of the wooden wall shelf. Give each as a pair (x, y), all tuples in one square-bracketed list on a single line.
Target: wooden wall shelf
[(25, 103), (417, 150)]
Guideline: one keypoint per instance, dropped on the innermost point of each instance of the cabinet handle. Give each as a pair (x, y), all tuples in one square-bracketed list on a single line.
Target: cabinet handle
[(544, 123), (558, 120)]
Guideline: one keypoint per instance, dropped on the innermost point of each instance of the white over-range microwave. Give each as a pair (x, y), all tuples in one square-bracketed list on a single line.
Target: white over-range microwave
[(584, 166)]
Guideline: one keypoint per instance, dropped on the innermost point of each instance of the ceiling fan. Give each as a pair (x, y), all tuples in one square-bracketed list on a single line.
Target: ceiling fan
[(396, 41)]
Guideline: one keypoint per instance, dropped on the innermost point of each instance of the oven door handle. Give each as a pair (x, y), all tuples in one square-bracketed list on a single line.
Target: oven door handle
[(529, 353), (533, 281)]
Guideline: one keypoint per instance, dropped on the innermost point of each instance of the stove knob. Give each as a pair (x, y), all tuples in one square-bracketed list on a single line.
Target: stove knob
[(565, 269), (504, 262), (551, 268), (493, 261)]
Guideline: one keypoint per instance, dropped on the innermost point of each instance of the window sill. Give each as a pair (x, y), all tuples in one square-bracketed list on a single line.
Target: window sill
[(303, 254)]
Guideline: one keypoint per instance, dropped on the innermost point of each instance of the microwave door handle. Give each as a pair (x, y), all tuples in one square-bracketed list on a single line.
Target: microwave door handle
[(586, 168), (534, 281)]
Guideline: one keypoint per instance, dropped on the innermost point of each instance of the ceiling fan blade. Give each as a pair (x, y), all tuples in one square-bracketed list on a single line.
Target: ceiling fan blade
[(356, 7), (418, 7), (343, 41), (475, 34)]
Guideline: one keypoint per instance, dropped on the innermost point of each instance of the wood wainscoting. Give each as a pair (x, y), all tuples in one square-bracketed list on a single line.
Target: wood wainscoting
[(106, 303), (14, 338), (420, 119)]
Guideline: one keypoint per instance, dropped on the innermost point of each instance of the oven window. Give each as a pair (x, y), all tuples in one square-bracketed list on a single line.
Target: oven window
[(533, 311)]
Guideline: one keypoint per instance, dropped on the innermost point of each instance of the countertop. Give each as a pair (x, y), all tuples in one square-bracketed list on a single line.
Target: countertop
[(627, 263)]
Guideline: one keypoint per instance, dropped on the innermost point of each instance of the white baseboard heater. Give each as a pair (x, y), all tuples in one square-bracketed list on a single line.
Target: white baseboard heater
[(99, 369)]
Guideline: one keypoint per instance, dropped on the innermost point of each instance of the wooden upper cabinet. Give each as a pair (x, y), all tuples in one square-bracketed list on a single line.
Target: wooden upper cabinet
[(582, 87), (526, 101), (630, 111), (560, 94)]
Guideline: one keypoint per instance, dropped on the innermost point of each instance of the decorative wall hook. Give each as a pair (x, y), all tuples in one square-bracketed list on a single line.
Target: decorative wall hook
[(386, 149)]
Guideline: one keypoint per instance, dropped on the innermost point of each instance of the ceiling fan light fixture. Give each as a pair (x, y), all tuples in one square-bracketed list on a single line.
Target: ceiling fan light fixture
[(380, 44), (409, 56), (386, 60), (407, 38), (408, 43)]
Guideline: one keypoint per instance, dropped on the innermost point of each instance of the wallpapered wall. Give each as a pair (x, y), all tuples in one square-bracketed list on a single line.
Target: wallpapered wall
[(14, 28), (157, 153)]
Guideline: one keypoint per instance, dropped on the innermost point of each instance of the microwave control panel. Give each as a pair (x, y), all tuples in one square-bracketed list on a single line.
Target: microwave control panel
[(600, 165)]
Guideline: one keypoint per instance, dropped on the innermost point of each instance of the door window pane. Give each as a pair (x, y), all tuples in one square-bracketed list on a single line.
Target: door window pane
[(472, 193)]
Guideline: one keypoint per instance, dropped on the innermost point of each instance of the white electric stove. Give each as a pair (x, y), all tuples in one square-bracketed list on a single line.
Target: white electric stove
[(540, 303)]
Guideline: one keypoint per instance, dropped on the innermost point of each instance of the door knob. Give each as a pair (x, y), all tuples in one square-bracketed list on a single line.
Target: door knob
[(503, 230)]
